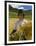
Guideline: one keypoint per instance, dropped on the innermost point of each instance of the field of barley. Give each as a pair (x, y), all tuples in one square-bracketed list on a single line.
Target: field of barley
[(24, 32)]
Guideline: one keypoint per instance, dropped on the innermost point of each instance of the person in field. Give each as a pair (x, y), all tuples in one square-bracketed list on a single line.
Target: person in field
[(19, 22)]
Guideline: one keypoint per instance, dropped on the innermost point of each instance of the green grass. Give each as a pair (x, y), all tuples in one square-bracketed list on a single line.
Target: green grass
[(14, 15), (29, 17)]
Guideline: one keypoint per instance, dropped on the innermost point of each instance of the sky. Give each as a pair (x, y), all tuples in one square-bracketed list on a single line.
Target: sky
[(22, 6), (25, 7)]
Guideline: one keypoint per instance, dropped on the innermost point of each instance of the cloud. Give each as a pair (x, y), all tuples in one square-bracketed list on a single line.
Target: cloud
[(14, 6), (21, 8)]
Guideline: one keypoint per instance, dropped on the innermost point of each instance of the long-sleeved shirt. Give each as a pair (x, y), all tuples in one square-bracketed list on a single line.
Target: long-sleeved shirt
[(19, 23)]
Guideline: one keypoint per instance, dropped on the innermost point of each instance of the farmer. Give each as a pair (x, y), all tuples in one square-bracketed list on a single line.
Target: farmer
[(18, 22)]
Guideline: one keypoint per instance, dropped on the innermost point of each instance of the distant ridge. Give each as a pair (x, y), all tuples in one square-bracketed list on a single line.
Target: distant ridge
[(15, 9)]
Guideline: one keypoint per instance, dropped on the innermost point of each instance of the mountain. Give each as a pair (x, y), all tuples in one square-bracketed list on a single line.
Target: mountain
[(12, 9), (27, 12)]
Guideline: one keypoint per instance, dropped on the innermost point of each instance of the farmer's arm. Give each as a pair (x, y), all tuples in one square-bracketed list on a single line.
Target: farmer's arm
[(15, 27)]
